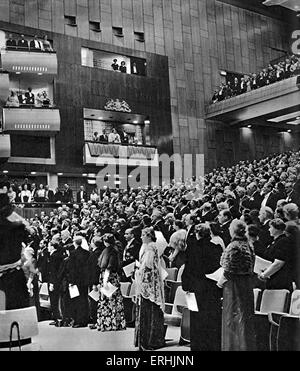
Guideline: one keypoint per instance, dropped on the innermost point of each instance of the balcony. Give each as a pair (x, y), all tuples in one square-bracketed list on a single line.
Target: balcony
[(29, 62), (31, 121), (277, 99), (119, 154), (4, 147)]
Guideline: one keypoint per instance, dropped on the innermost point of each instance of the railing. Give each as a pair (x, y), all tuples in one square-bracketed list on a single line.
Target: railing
[(125, 150), (27, 49)]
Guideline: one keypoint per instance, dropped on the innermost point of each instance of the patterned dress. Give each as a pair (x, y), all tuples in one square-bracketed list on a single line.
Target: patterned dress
[(149, 327), (110, 313)]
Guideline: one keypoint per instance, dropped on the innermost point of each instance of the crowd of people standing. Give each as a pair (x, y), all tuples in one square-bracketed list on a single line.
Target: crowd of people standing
[(225, 220), (273, 73)]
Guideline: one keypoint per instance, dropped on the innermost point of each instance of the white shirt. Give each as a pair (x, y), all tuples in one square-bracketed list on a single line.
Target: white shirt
[(264, 201)]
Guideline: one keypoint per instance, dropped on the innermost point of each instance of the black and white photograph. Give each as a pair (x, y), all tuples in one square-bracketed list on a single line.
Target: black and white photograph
[(149, 178)]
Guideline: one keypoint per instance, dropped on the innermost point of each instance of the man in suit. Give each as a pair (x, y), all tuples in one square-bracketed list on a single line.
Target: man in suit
[(131, 251), (23, 43), (269, 197), (77, 267), (265, 216), (29, 97), (103, 137), (67, 194), (181, 209), (36, 44), (225, 218), (11, 44), (49, 194), (190, 222), (54, 265), (253, 199), (82, 195), (22, 100)]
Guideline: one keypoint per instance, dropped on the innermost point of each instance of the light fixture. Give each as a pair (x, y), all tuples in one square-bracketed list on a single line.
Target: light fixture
[(33, 173), (249, 126), (92, 175), (18, 73), (5, 171), (60, 174), (223, 73), (100, 118), (147, 121), (84, 174), (298, 118), (135, 122), (289, 131), (91, 181), (40, 74)]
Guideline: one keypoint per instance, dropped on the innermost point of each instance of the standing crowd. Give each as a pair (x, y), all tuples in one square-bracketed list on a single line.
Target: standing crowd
[(225, 219), (273, 73)]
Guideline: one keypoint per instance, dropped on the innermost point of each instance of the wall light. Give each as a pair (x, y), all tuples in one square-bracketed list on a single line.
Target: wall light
[(5, 171), (60, 174), (249, 126), (33, 173)]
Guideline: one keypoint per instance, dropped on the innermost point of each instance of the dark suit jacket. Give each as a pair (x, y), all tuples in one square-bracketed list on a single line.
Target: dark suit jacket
[(54, 266), (78, 267), (23, 44), (11, 44), (225, 233), (85, 196), (264, 235), (131, 252), (68, 195), (29, 99), (253, 202), (50, 197), (92, 265)]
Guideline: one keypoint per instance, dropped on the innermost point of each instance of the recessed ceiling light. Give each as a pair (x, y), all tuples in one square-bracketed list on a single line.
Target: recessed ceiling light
[(5, 171), (147, 121), (289, 131), (135, 122), (18, 73), (249, 126), (40, 74), (60, 174), (84, 174), (33, 173)]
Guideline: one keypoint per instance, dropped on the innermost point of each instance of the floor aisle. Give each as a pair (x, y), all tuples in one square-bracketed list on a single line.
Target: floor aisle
[(51, 338)]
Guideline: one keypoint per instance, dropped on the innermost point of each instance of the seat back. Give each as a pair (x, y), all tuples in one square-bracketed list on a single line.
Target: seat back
[(2, 300), (295, 303), (172, 273), (257, 298), (179, 301), (274, 301), (185, 327), (125, 288), (180, 271), (288, 335), (26, 319)]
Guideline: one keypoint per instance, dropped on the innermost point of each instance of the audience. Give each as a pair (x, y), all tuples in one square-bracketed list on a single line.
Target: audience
[(282, 70)]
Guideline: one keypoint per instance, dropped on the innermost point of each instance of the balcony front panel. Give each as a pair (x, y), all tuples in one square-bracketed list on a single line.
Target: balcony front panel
[(40, 121), (5, 149), (272, 98), (118, 154), (29, 62), (4, 87)]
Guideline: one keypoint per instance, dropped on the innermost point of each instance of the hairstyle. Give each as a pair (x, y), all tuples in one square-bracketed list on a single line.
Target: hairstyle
[(150, 233), (278, 224), (227, 213), (203, 230), (237, 228), (291, 211), (253, 230), (179, 224), (109, 238), (268, 211)]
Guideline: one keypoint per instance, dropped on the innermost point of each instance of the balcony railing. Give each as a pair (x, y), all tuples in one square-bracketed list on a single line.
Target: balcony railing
[(122, 154), (4, 146), (26, 61), (29, 120)]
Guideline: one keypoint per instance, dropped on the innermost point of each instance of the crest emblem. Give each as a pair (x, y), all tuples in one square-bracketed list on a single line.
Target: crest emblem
[(117, 105)]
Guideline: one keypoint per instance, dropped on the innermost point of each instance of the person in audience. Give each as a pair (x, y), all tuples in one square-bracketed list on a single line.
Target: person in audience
[(29, 97), (114, 137), (49, 195), (225, 219), (77, 269), (216, 234), (177, 244), (265, 216), (123, 67), (82, 195), (11, 43), (149, 326), (23, 44), (13, 100), (67, 194), (47, 45), (22, 99), (40, 194), (131, 251), (55, 260), (110, 313), (13, 231), (203, 258), (279, 275), (25, 195), (103, 138), (12, 195), (115, 65), (237, 283), (95, 137), (94, 197), (36, 44)]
